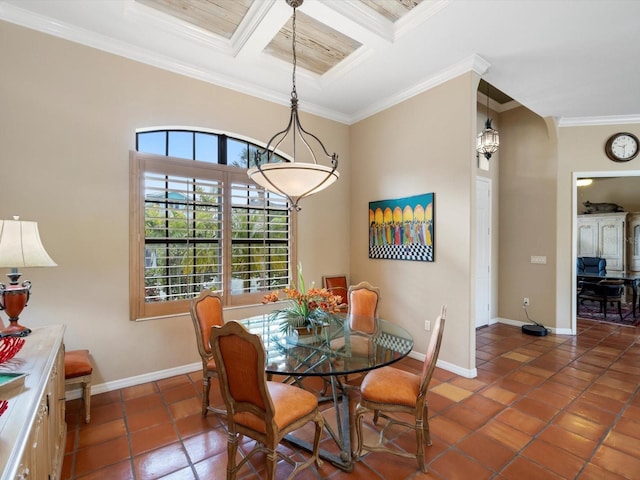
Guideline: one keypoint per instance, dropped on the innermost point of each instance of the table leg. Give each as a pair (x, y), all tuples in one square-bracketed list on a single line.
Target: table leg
[(353, 399), (342, 437)]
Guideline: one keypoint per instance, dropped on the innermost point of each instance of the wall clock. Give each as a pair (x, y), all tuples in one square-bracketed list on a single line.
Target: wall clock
[(622, 147)]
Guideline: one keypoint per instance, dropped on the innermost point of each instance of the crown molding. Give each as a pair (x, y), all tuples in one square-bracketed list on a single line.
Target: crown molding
[(474, 63), (595, 121)]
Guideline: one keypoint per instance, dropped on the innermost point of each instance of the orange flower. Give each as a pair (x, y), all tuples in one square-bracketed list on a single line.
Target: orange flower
[(306, 308), (271, 297), (314, 299)]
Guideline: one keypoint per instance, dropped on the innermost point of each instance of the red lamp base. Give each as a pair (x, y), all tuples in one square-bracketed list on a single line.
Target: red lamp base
[(14, 329), (13, 299)]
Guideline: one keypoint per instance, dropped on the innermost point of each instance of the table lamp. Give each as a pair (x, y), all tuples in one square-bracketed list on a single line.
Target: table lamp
[(20, 246)]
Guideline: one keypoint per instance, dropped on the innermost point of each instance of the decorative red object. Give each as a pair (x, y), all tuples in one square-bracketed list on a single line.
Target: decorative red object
[(13, 299), (9, 347), (3, 406)]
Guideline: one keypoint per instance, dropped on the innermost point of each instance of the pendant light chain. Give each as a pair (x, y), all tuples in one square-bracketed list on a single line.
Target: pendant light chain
[(294, 179), (488, 91), (294, 93)]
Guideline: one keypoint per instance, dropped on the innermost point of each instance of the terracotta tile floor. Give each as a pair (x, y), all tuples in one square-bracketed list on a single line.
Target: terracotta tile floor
[(555, 407)]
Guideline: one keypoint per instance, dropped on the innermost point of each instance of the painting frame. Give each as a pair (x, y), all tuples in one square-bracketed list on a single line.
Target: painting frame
[(403, 228)]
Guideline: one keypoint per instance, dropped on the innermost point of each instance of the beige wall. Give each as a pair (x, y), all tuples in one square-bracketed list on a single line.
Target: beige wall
[(68, 122), (419, 146), (527, 211)]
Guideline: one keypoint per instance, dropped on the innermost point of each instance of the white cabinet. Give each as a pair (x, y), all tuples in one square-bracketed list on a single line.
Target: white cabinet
[(32, 429), (633, 242), (604, 235)]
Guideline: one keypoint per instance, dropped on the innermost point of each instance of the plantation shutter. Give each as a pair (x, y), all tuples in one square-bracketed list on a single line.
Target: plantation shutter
[(260, 242)]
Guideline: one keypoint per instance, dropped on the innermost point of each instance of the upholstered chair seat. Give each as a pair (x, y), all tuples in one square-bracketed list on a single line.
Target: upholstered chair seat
[(291, 404), (78, 370), (389, 385)]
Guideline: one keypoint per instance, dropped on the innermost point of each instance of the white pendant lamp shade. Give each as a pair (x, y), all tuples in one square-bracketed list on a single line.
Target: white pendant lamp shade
[(294, 179)]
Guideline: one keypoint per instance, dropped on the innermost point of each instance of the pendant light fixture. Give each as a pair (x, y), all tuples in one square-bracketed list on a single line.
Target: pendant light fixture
[(294, 179), (488, 139)]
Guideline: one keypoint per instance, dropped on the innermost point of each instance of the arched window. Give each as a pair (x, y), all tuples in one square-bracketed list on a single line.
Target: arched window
[(198, 222)]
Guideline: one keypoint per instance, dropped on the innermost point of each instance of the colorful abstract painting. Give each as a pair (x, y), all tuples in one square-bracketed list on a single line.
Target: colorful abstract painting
[(402, 229)]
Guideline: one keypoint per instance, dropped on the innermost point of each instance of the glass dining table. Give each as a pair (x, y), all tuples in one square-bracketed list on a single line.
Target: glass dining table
[(321, 360)]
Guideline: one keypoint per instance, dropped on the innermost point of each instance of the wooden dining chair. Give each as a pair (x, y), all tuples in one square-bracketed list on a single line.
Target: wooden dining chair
[(389, 390), (263, 410), (364, 300), (337, 285), (604, 292), (362, 314), (206, 312)]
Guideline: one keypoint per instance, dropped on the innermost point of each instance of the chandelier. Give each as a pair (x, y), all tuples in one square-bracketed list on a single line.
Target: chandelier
[(488, 139), (293, 179)]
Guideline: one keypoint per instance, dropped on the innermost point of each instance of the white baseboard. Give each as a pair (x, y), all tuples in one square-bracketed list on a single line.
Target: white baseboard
[(450, 367), (137, 380), (516, 323)]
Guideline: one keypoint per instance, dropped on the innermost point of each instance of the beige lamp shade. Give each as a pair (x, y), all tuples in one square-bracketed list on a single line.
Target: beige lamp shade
[(20, 245), (294, 179)]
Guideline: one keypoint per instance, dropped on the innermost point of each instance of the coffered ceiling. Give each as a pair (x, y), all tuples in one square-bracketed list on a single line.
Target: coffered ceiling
[(572, 59)]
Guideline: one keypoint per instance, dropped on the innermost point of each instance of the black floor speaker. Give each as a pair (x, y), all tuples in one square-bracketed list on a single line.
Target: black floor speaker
[(536, 330)]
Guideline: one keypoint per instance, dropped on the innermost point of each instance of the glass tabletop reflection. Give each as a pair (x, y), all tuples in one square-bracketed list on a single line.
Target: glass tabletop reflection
[(333, 349)]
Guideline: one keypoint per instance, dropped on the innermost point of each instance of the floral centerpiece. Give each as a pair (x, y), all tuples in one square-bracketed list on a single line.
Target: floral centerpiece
[(307, 310)]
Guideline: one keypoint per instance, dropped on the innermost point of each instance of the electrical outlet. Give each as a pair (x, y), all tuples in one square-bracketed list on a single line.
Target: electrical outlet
[(427, 325), (525, 302)]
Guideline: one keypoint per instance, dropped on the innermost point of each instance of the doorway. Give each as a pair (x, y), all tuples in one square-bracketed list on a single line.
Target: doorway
[(616, 182)]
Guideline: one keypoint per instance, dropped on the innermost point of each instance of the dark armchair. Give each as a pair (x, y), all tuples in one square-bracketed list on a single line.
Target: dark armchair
[(592, 265)]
